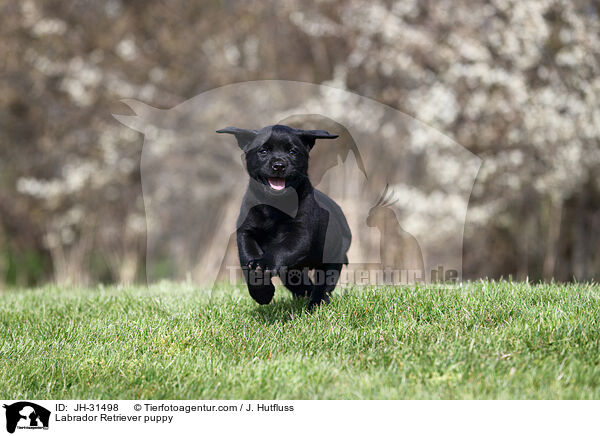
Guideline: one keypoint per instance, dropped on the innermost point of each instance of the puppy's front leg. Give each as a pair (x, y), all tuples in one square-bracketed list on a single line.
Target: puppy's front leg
[(254, 269)]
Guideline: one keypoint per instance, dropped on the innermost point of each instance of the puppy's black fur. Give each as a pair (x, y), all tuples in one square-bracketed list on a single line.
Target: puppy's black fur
[(286, 227)]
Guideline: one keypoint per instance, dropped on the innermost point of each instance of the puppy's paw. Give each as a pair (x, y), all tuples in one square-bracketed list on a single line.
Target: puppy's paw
[(261, 265), (314, 302), (257, 264), (262, 294)]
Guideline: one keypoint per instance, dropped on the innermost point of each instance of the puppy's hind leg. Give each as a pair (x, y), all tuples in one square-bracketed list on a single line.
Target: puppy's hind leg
[(326, 278), (297, 281)]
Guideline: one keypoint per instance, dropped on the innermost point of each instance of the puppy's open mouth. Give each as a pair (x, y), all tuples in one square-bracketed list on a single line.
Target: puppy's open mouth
[(277, 183)]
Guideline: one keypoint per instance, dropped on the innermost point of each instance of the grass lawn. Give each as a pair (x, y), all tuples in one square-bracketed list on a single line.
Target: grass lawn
[(173, 341)]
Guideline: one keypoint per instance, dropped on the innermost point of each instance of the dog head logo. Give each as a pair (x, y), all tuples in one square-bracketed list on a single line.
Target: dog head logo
[(26, 415), (193, 179)]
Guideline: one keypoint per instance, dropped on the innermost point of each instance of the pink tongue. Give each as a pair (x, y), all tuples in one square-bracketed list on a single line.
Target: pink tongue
[(277, 183)]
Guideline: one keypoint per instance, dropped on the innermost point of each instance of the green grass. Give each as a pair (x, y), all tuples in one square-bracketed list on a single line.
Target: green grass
[(482, 340)]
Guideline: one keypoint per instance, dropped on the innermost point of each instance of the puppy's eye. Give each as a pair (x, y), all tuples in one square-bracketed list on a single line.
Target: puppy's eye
[(292, 152), (263, 151)]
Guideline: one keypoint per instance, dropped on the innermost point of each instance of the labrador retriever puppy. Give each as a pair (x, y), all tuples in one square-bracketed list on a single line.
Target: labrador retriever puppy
[(286, 227)]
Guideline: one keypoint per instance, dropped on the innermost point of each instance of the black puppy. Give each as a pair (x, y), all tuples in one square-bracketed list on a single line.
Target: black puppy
[(286, 227)]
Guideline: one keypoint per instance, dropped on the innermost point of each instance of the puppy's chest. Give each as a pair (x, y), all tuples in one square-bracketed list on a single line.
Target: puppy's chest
[(272, 225)]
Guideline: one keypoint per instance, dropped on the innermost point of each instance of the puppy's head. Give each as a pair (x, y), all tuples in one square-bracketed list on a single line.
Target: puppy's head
[(277, 156)]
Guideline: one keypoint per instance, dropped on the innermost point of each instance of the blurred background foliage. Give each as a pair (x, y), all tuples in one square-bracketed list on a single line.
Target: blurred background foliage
[(515, 82)]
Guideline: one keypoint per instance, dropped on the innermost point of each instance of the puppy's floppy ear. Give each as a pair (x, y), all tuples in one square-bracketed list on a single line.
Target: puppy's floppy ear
[(310, 136), (244, 136)]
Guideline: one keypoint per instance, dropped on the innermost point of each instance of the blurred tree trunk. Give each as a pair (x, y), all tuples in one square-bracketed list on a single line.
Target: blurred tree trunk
[(554, 224), (3, 258), (579, 252), (70, 262), (209, 263)]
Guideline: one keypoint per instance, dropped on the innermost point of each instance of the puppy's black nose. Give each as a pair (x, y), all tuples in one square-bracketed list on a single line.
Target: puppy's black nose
[(278, 166)]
